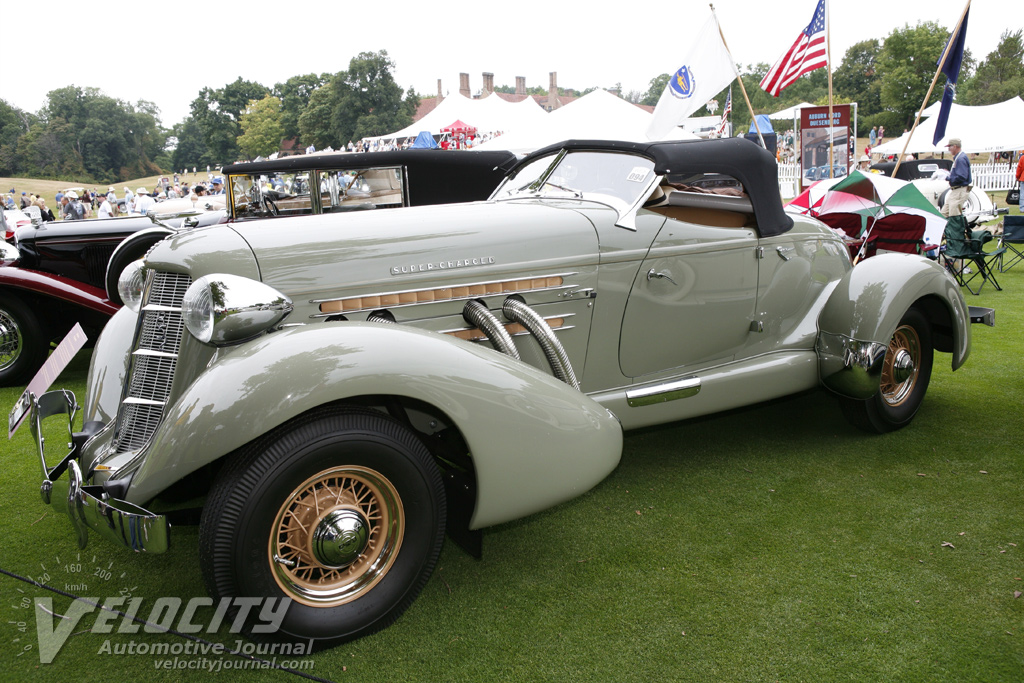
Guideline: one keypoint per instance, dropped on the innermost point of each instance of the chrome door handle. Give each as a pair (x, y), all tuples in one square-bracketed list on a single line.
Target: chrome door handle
[(651, 274), (784, 252)]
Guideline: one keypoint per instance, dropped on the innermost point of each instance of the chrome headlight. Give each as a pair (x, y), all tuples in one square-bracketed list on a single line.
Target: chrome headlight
[(131, 284), (226, 309)]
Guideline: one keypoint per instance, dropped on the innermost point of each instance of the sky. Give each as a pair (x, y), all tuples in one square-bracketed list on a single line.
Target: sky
[(146, 53)]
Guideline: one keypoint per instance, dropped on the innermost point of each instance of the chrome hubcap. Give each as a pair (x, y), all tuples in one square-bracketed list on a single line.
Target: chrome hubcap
[(900, 369), (10, 340), (340, 538), (902, 366)]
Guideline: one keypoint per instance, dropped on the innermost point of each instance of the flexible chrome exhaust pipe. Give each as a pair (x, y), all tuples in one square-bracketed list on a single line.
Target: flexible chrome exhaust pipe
[(517, 311), (477, 314), (381, 317)]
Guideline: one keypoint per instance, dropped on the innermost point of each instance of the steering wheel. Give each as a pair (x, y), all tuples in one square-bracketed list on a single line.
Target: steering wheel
[(274, 211)]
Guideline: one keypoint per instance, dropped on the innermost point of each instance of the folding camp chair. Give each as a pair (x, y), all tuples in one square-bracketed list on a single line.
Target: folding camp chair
[(1013, 235), (899, 232), (965, 249)]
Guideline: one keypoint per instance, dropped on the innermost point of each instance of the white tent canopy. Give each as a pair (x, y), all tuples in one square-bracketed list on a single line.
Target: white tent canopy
[(988, 128), (488, 114), (598, 115), (791, 112)]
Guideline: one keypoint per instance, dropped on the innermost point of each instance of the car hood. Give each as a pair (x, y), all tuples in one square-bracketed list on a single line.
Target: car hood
[(309, 257)]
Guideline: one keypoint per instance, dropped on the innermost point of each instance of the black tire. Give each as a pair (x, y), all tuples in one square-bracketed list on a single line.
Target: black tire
[(24, 345), (129, 250), (896, 402), (258, 510)]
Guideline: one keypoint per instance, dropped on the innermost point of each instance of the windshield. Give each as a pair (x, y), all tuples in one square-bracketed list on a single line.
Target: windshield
[(601, 176)]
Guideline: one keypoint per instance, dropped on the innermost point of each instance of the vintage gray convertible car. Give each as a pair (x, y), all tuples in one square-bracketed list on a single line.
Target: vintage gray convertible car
[(343, 391)]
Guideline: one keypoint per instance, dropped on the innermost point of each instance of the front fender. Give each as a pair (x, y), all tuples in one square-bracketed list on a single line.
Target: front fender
[(862, 313), (534, 440), (57, 287)]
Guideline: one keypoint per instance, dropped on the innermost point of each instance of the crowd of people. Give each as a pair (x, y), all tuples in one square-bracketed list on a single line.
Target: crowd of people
[(79, 204), (448, 141)]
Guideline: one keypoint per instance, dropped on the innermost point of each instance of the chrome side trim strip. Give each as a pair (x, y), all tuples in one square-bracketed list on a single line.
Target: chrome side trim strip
[(452, 286), (662, 393), (142, 401), (156, 354)]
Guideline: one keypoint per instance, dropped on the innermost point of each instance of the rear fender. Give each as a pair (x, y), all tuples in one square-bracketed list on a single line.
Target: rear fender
[(862, 313), (534, 440)]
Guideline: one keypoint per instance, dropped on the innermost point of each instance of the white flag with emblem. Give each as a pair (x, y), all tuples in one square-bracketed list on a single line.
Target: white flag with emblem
[(706, 70)]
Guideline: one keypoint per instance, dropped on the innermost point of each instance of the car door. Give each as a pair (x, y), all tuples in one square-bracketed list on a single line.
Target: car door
[(692, 300)]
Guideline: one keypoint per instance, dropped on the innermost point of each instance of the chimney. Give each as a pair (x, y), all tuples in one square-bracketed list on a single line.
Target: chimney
[(553, 91), (440, 95), (464, 85), (488, 84), (520, 85)]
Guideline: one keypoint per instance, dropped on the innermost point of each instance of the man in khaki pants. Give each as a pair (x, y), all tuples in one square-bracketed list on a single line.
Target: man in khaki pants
[(959, 181)]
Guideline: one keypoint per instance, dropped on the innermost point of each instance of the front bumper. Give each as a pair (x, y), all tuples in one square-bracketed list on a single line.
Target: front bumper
[(90, 507)]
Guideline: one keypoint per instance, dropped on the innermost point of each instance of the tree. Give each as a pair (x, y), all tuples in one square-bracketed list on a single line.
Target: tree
[(857, 80), (294, 95), (315, 120), (262, 129), (191, 149), (218, 113), (907, 65), (654, 90), (367, 99), (1000, 76)]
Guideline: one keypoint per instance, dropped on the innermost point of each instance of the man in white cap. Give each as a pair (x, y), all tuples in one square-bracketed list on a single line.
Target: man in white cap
[(959, 181), (106, 209), (143, 202)]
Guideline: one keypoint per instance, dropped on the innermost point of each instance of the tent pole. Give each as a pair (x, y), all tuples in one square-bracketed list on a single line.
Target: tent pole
[(935, 78), (753, 116)]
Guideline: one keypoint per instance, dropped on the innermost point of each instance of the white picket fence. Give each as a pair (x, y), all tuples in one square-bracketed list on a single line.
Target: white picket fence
[(993, 177), (989, 177), (789, 174)]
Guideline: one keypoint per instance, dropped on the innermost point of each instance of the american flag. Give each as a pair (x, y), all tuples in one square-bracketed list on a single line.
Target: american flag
[(725, 114), (807, 54)]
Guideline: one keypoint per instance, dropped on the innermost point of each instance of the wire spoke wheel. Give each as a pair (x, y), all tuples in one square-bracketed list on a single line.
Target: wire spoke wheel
[(341, 510), (336, 536), (902, 365), (903, 382), (10, 340)]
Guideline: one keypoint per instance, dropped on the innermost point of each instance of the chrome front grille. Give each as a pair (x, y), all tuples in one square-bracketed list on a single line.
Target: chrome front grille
[(154, 359)]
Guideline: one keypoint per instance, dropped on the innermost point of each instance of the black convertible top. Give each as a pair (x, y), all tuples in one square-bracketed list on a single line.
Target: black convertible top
[(742, 159), (435, 176)]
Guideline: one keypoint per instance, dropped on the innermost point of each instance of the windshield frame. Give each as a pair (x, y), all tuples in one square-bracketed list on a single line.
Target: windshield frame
[(541, 187)]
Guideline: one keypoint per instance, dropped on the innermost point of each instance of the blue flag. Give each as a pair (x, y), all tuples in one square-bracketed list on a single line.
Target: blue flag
[(951, 68)]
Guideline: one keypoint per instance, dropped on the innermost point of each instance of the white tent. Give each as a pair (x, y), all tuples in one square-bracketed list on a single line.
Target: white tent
[(988, 128), (791, 112), (598, 115), (488, 114)]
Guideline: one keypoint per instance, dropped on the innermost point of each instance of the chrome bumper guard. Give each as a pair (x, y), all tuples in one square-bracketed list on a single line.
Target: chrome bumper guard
[(850, 367), (981, 315), (89, 507)]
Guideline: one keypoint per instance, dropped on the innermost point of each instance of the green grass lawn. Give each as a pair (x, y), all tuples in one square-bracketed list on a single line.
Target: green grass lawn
[(774, 543)]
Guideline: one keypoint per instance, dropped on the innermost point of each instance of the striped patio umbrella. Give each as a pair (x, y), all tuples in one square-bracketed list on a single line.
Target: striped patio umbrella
[(870, 195)]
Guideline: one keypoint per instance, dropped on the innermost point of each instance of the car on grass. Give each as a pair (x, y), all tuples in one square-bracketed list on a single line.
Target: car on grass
[(66, 271), (341, 390), (929, 176)]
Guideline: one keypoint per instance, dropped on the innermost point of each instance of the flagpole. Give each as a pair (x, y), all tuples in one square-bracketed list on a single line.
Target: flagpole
[(828, 67), (942, 64), (743, 89)]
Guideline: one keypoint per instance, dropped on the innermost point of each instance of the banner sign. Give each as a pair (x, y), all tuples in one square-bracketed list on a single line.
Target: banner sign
[(815, 137)]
